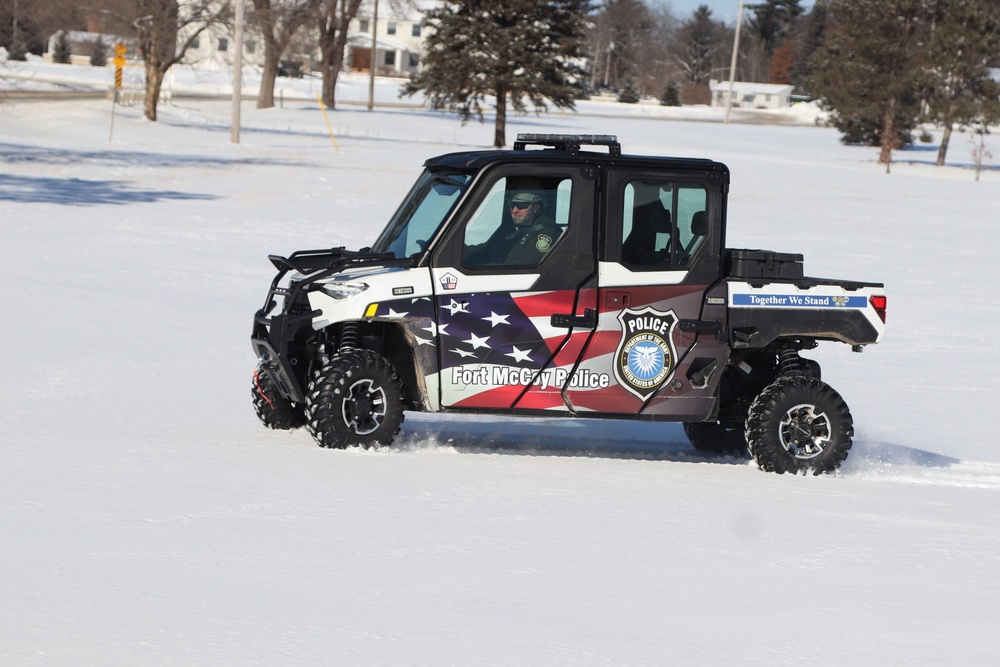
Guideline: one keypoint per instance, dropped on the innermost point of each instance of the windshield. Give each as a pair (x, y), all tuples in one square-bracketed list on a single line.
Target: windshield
[(424, 209)]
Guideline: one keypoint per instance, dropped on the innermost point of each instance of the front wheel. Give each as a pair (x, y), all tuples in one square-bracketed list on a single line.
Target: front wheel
[(799, 424), (274, 410), (356, 399)]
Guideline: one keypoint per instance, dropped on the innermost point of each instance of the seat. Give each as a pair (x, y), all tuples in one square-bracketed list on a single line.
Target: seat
[(699, 230), (648, 220)]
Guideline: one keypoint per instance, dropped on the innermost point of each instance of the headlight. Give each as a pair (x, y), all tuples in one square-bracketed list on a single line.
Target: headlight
[(342, 290)]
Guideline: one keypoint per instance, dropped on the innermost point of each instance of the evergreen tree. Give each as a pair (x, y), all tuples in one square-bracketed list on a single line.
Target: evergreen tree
[(964, 39), (671, 96), (98, 53), (513, 51), (867, 71), (811, 35), (63, 51), (702, 46), (630, 93), (773, 21)]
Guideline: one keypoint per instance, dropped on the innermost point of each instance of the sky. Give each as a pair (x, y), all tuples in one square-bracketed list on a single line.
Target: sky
[(724, 10), (149, 519)]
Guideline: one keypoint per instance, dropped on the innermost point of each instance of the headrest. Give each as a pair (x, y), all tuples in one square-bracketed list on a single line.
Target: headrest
[(699, 224)]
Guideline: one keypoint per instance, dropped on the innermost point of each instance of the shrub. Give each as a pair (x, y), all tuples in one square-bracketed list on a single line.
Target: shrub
[(630, 93)]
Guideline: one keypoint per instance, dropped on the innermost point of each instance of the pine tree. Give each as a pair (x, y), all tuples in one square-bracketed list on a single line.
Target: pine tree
[(702, 46), (98, 53), (671, 96), (811, 36), (63, 51), (773, 21), (502, 51), (867, 71), (630, 93), (964, 38)]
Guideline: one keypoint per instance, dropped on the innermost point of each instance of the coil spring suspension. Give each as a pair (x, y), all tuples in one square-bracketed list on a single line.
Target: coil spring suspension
[(350, 336), (789, 362)]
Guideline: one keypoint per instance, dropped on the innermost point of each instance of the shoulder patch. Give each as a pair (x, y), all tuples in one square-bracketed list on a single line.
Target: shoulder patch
[(543, 243)]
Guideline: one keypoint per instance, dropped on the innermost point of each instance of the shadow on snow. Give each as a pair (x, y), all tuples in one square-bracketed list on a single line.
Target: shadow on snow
[(619, 439), (78, 192)]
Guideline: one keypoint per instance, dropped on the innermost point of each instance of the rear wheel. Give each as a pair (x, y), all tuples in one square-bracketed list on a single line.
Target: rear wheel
[(799, 424), (355, 399), (274, 410)]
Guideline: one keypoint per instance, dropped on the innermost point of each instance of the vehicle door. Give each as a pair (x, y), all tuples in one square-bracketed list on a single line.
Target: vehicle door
[(661, 308), (511, 322)]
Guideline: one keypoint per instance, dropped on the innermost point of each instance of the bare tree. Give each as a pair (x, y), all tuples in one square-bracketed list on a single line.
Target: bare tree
[(277, 21), (980, 154), (621, 38), (332, 18), (164, 31)]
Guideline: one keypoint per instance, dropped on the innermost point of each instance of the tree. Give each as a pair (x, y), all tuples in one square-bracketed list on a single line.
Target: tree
[(630, 93), (867, 70), (782, 62), (964, 38), (620, 31), (63, 51), (277, 21), (671, 95), (332, 18), (980, 153), (773, 21), (504, 51), (811, 35), (98, 53), (26, 25), (164, 31), (702, 46)]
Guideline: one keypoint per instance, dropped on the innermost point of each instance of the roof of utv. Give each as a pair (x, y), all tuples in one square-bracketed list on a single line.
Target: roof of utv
[(566, 147)]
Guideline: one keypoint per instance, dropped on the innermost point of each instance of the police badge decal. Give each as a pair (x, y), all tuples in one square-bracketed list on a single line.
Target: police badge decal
[(645, 357)]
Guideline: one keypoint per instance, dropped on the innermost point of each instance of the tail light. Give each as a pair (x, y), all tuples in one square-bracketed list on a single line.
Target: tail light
[(878, 303)]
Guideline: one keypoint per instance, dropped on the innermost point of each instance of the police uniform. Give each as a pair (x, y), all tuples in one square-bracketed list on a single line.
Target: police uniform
[(530, 246), (516, 245)]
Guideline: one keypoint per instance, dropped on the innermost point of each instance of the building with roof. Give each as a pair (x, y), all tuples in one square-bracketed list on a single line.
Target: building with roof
[(399, 38), (747, 95)]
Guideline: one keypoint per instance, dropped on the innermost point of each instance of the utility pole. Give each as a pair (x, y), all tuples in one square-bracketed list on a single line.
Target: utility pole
[(371, 70), (234, 127), (732, 66)]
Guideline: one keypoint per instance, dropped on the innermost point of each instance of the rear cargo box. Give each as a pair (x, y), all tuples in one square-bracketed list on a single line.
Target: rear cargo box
[(755, 264)]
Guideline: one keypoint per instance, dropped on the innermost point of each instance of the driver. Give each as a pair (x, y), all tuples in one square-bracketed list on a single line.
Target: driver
[(524, 241)]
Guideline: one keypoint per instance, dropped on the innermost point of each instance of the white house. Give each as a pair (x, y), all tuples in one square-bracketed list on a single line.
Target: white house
[(399, 38), (212, 49), (748, 95)]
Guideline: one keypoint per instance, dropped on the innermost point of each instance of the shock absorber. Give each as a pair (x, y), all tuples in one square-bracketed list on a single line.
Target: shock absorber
[(789, 361), (350, 336)]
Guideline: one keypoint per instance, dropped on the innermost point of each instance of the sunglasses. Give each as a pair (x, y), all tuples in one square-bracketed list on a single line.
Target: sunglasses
[(520, 204)]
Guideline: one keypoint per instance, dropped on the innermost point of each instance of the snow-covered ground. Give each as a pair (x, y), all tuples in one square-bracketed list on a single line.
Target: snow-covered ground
[(148, 519)]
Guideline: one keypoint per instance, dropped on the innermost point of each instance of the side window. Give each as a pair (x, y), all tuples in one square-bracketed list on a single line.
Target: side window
[(663, 223), (518, 223)]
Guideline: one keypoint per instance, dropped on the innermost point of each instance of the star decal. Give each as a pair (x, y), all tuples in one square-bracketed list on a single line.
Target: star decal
[(519, 355), (463, 353), (436, 329), (456, 307), (495, 319), (393, 313), (476, 342)]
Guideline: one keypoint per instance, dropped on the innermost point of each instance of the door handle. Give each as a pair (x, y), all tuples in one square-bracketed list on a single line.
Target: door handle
[(588, 320), (700, 326)]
